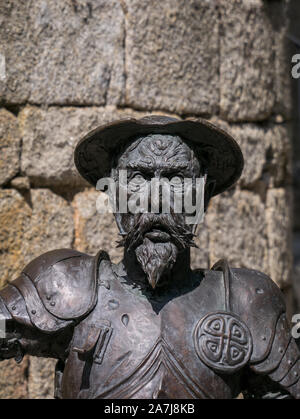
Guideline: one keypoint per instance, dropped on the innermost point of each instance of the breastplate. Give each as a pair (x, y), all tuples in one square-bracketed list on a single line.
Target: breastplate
[(126, 349)]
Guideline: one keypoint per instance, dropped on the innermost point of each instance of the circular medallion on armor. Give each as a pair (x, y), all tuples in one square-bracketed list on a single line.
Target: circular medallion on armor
[(223, 342)]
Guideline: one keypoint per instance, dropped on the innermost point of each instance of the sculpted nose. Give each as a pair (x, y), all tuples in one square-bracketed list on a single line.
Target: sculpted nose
[(155, 201), (156, 194)]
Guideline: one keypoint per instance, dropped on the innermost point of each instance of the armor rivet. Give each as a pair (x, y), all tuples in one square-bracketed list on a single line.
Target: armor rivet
[(52, 303), (290, 362), (259, 291), (48, 297), (13, 308), (295, 373), (33, 311), (264, 338), (280, 350), (113, 304)]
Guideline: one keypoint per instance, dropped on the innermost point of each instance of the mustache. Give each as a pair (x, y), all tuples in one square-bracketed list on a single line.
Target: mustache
[(145, 222)]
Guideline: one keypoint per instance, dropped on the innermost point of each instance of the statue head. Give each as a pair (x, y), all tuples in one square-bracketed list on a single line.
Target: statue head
[(165, 171), (156, 172)]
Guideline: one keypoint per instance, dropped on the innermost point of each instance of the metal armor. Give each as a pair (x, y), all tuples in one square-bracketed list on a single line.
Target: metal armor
[(113, 341)]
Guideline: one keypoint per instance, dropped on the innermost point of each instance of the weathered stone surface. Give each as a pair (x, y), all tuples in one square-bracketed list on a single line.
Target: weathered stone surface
[(267, 153), (279, 223), (172, 55), (9, 146), (21, 183), (251, 233), (247, 60), (13, 379), (15, 214), (41, 378), (237, 230), (49, 139), (282, 49), (62, 52), (51, 224), (94, 231)]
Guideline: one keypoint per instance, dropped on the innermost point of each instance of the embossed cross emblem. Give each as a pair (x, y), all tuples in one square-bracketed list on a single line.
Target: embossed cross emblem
[(223, 342)]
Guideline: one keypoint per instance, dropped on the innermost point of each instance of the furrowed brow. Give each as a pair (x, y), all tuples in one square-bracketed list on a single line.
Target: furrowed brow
[(138, 166), (166, 167), (174, 166)]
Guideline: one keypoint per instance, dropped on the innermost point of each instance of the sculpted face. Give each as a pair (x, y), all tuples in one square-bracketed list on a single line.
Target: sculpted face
[(156, 238)]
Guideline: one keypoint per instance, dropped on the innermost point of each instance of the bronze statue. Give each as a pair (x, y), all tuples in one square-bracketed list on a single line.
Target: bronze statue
[(150, 327)]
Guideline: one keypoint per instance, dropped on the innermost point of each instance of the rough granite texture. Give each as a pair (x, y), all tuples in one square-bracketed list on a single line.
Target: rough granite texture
[(64, 52), (10, 142), (243, 225), (13, 379), (168, 44), (267, 152), (41, 378), (252, 48), (93, 230), (15, 215), (50, 136), (72, 65)]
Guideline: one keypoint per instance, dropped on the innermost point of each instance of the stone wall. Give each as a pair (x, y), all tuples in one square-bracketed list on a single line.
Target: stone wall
[(74, 64), (295, 38)]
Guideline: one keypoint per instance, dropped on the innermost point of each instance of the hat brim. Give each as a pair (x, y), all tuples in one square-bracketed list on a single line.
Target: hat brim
[(96, 151)]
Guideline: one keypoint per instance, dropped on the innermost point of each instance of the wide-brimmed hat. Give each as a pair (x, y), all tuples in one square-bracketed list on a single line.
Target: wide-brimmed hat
[(96, 152)]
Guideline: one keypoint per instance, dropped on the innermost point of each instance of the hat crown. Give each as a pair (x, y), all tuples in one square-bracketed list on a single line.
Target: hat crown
[(157, 120)]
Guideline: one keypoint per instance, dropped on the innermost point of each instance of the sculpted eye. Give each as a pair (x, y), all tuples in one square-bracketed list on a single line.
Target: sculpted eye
[(176, 180), (138, 178), (136, 182)]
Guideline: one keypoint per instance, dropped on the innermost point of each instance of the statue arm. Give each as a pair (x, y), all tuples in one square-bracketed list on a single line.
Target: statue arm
[(41, 307), (277, 376), (19, 336), (9, 344), (274, 366)]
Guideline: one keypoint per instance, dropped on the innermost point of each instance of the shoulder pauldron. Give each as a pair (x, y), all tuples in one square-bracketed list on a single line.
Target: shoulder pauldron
[(54, 290), (253, 309)]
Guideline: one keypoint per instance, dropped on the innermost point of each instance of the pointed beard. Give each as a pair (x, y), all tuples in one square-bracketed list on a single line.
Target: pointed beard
[(156, 259)]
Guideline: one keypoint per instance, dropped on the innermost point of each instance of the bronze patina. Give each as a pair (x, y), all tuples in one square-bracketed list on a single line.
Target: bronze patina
[(151, 327)]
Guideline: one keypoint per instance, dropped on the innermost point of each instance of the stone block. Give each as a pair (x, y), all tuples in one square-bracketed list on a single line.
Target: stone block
[(94, 231), (267, 153), (13, 379), (279, 225), (41, 378), (247, 60), (50, 137), (238, 231), (172, 55), (60, 52), (10, 141), (15, 215)]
